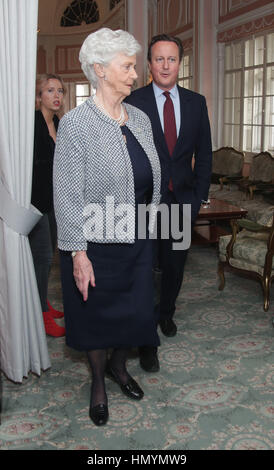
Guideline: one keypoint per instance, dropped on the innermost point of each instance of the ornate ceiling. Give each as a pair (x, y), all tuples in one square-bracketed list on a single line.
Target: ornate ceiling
[(76, 16)]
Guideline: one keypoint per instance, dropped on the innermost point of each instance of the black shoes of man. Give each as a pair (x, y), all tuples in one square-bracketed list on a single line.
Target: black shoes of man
[(168, 327), (148, 358), (148, 354)]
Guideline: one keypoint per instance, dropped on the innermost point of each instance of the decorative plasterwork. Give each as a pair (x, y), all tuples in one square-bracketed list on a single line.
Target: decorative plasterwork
[(108, 18), (41, 60), (229, 9), (247, 29), (67, 59), (175, 16), (80, 12), (113, 3)]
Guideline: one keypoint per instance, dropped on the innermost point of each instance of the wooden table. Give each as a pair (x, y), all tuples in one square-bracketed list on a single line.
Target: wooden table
[(206, 229)]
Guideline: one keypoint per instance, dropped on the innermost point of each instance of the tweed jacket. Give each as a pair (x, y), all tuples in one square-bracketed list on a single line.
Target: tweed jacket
[(92, 166)]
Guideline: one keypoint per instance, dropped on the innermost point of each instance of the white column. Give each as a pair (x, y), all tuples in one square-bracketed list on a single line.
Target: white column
[(206, 63), (137, 24)]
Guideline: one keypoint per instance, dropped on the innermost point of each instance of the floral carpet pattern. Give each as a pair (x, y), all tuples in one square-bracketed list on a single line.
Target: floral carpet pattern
[(214, 390)]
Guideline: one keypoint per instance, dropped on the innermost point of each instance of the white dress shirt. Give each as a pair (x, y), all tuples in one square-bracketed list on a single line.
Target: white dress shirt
[(160, 101)]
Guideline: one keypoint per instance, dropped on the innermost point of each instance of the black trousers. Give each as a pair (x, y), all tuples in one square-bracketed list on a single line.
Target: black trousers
[(171, 263), (42, 240)]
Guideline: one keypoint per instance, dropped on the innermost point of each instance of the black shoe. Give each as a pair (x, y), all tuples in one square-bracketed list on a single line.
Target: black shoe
[(99, 414), (168, 326), (148, 358), (131, 389)]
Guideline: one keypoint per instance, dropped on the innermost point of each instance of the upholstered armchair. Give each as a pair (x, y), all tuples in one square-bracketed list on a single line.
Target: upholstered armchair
[(249, 250), (261, 177), (227, 165)]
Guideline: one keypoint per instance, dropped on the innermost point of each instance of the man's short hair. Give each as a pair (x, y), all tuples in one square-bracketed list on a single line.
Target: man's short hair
[(165, 37)]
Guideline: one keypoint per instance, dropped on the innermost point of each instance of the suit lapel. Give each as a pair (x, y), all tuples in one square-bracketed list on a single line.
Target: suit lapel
[(185, 127), (185, 118), (150, 108)]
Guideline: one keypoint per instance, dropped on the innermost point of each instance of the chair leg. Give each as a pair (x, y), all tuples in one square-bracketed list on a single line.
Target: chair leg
[(266, 292), (221, 275)]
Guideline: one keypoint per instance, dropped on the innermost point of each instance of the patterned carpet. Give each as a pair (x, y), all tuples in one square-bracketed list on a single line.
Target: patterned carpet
[(215, 388)]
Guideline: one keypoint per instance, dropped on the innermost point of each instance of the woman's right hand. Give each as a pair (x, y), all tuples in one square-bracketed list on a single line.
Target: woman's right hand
[(83, 273)]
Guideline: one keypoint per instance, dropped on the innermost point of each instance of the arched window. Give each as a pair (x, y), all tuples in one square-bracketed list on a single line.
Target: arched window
[(79, 12), (112, 3)]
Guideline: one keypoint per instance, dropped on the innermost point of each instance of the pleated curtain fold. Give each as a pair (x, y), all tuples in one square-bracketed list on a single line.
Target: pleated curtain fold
[(22, 337)]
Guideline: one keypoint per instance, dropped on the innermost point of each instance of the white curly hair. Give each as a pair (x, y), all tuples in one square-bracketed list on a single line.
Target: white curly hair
[(102, 46)]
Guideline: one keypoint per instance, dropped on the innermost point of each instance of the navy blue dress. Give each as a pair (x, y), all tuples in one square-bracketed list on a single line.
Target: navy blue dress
[(119, 310)]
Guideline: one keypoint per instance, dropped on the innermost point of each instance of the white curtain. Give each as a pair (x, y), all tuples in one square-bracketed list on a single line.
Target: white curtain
[(22, 336)]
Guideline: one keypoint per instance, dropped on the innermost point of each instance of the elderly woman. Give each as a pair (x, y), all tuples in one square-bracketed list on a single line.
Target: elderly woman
[(105, 165)]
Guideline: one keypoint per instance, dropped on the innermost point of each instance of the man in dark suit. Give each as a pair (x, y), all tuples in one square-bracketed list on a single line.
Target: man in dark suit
[(181, 131)]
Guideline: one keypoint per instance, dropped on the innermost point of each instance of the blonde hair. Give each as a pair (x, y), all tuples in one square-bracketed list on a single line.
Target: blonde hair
[(41, 82)]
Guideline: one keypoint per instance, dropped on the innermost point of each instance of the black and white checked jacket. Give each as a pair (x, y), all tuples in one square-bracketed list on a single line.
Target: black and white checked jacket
[(91, 163)]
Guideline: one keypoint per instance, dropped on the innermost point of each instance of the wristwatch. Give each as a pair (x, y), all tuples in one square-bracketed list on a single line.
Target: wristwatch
[(73, 253)]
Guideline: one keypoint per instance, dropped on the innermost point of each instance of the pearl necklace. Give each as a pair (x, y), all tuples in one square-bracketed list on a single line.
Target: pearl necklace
[(120, 120)]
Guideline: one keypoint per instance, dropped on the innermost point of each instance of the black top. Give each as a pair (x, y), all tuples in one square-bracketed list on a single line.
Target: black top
[(43, 153), (141, 167)]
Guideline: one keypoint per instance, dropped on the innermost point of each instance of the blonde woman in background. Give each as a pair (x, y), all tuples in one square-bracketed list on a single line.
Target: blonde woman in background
[(49, 101)]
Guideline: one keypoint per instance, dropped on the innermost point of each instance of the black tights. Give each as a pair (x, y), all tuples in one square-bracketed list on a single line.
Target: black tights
[(98, 360)]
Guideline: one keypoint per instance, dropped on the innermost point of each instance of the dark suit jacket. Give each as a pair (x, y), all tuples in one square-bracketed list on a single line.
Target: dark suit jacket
[(43, 153), (189, 186)]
